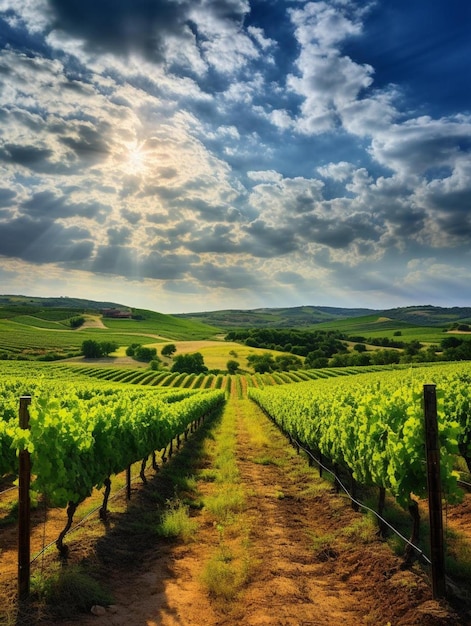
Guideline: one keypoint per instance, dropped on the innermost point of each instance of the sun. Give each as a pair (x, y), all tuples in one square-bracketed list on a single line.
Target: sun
[(136, 160)]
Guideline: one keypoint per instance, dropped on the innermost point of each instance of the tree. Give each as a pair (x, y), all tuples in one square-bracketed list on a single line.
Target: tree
[(287, 362), (232, 366), (130, 350), (168, 349), (450, 342), (91, 349), (107, 347), (261, 363), (145, 354), (315, 360), (76, 322), (189, 364)]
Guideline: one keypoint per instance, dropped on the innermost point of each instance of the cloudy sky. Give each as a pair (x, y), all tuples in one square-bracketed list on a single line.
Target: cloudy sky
[(189, 155)]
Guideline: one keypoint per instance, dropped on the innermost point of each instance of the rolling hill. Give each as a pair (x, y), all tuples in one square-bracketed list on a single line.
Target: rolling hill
[(307, 316)]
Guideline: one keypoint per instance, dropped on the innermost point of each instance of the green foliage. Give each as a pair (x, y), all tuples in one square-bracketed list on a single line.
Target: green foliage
[(232, 366), (189, 363), (373, 425), (297, 341), (261, 363), (76, 322), (68, 591), (168, 350), (287, 362), (107, 347), (141, 353), (176, 521), (81, 433), (92, 349)]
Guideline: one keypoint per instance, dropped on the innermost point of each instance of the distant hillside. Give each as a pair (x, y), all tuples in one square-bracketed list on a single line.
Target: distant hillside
[(41, 312), (7, 301), (430, 315), (305, 316)]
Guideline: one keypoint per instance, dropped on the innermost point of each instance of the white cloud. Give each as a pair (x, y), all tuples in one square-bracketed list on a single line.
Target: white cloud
[(337, 171)]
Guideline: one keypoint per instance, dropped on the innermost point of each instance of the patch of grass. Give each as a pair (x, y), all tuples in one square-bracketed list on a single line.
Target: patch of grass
[(223, 575), (321, 542), (362, 530), (225, 501), (265, 460), (9, 513), (176, 522), (68, 591), (458, 556)]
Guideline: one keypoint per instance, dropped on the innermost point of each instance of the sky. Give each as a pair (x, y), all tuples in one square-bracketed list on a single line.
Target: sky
[(196, 155)]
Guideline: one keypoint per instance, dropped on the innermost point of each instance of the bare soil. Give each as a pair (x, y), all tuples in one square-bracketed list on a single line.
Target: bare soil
[(305, 568)]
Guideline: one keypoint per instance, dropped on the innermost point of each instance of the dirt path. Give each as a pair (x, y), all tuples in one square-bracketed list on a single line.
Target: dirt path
[(312, 559)]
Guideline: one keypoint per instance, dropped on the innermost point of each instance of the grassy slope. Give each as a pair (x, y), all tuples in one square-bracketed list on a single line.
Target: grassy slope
[(288, 317), (164, 325), (311, 317), (376, 326), (41, 331)]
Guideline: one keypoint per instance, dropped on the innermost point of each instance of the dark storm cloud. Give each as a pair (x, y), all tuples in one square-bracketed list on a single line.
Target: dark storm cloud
[(42, 241), (216, 239), (46, 204), (339, 234), (456, 225), (123, 26), (133, 217), (31, 157), (228, 276), (119, 236), (127, 261), (166, 267), (406, 222), (7, 197), (268, 242), (87, 142), (455, 201)]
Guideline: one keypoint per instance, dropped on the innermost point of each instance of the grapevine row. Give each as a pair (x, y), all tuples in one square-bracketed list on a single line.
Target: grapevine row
[(373, 425), (81, 435)]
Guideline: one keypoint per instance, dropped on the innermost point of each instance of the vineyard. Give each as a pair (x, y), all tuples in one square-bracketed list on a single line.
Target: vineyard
[(89, 424)]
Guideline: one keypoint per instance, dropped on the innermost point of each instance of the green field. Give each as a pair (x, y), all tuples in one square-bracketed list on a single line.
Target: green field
[(40, 328), (47, 333), (377, 326)]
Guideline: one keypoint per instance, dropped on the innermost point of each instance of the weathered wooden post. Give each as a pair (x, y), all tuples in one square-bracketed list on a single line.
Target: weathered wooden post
[(128, 482), (432, 446), (24, 506)]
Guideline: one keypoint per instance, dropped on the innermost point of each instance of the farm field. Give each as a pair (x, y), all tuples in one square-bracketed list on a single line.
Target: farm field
[(260, 530), (263, 506), (287, 542), (376, 326)]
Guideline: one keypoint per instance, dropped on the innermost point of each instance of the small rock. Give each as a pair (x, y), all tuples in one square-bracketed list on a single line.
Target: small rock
[(113, 608), (98, 610)]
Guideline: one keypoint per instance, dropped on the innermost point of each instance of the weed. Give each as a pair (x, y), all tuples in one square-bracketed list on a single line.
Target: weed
[(68, 591), (176, 521), (362, 530), (223, 575), (229, 499)]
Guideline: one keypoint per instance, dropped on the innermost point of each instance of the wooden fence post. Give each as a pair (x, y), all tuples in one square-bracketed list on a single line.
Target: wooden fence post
[(128, 482), (24, 506), (432, 446)]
